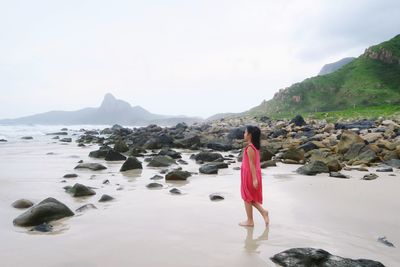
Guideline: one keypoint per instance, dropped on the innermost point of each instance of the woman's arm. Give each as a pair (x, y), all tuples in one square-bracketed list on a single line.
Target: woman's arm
[(251, 155)]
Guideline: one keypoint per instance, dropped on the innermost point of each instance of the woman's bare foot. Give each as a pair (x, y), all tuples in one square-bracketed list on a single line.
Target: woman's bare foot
[(247, 223), (266, 217)]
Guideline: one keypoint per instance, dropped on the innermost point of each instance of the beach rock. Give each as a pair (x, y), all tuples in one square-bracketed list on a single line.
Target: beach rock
[(313, 168), (154, 185), (181, 161), (216, 196), (360, 169), (207, 156), (91, 166), (169, 152), (385, 169), (161, 161), (219, 146), (236, 133), (130, 164), (86, 207), (293, 154), (188, 142), (27, 137), (80, 190), (114, 156), (370, 176), (298, 120), (338, 175), (58, 133), (310, 257), (363, 124), (386, 242), (106, 181), (101, 152), (268, 163), (177, 175), (3, 140), (70, 175), (308, 146), (66, 140), (347, 139), (44, 228), (175, 191), (105, 198), (359, 153), (156, 177), (266, 153), (372, 137), (208, 169), (47, 210), (120, 146), (22, 204), (395, 163), (236, 168)]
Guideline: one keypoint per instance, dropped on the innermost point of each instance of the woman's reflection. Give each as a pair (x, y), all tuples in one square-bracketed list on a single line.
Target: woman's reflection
[(250, 244)]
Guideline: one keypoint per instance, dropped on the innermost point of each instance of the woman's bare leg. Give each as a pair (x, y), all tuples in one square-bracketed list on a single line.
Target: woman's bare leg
[(249, 211), (263, 212)]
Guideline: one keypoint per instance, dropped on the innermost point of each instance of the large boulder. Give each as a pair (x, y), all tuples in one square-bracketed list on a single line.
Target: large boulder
[(219, 146), (79, 190), (236, 133), (207, 156), (188, 142), (293, 154), (114, 156), (169, 152), (310, 257), (120, 146), (298, 120), (347, 139), (47, 210), (313, 168), (360, 154), (161, 161), (212, 167), (101, 152), (130, 164), (177, 176), (91, 166)]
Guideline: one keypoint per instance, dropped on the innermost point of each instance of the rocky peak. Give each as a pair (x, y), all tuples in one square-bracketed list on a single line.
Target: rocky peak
[(382, 54), (110, 103)]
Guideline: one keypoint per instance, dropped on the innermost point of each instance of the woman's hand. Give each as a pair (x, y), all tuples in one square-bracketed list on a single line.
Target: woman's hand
[(255, 183)]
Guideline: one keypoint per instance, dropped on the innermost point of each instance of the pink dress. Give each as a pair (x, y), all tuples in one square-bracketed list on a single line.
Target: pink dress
[(249, 193)]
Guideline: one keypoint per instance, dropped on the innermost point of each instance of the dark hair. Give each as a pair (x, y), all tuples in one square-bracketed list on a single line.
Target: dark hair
[(255, 135)]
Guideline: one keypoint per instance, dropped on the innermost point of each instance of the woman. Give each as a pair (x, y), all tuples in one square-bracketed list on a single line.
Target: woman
[(251, 180)]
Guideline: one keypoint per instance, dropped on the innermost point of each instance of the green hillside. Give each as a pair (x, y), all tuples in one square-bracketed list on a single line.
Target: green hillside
[(371, 80)]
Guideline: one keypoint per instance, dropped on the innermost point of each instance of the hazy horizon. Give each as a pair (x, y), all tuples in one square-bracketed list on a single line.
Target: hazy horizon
[(175, 57)]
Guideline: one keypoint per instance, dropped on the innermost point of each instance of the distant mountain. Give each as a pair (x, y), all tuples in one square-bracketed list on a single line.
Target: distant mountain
[(332, 67), (372, 79), (111, 111)]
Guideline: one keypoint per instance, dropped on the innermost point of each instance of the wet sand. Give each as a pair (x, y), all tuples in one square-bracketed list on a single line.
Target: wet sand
[(144, 227)]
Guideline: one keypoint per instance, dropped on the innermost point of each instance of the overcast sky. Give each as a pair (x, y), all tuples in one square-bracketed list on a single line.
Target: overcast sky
[(175, 57)]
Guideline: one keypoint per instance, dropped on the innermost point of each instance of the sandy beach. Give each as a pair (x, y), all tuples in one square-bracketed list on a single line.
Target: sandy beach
[(152, 227)]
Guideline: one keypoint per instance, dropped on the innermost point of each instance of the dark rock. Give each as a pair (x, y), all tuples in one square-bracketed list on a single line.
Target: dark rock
[(177, 175), (86, 207), (106, 181), (310, 257), (154, 185), (313, 168), (175, 191), (385, 169), (3, 140), (298, 121), (364, 124), (66, 140), (208, 169), (236, 168), (360, 154), (120, 146), (161, 161), (80, 190), (395, 163), (216, 196), (188, 142), (114, 156), (268, 163), (22, 204), (27, 137), (70, 175), (169, 152), (101, 152), (370, 176), (56, 137), (58, 133), (207, 156), (130, 164), (91, 166), (386, 242), (338, 175), (47, 210), (266, 154), (44, 228), (156, 177), (236, 133), (181, 161), (105, 198), (308, 146), (278, 132), (219, 146)]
